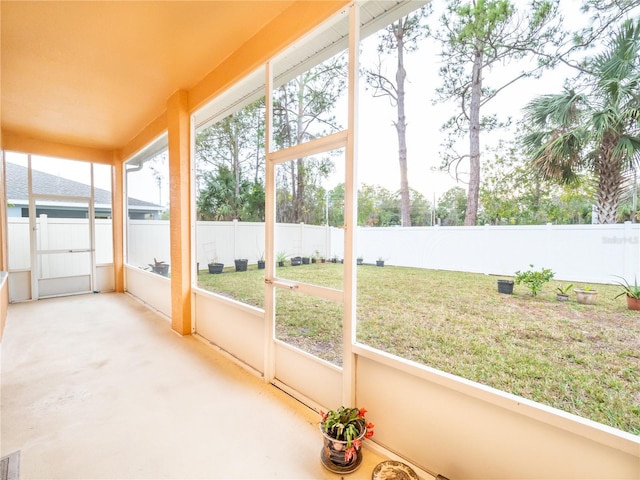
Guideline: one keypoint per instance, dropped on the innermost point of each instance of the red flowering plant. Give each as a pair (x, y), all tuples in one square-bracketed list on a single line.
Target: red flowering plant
[(347, 425)]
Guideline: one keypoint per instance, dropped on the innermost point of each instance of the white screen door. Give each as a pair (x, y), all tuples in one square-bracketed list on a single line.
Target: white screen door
[(63, 246)]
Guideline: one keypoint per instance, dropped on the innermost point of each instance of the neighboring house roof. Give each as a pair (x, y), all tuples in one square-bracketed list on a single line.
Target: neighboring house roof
[(17, 187)]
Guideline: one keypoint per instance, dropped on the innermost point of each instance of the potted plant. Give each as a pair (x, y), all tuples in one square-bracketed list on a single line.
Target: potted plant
[(342, 433), (296, 261), (359, 260), (159, 267), (261, 263), (280, 258), (214, 266), (380, 262), (586, 295), (305, 260), (241, 264), (505, 286), (534, 279), (632, 293), (562, 293)]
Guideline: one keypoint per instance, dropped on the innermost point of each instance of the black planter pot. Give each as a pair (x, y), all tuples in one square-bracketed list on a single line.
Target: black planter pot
[(505, 286), (241, 264), (161, 269), (260, 264), (216, 267), (296, 261), (305, 260), (379, 263)]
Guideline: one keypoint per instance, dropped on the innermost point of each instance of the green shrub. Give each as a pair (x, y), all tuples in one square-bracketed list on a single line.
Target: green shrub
[(534, 279)]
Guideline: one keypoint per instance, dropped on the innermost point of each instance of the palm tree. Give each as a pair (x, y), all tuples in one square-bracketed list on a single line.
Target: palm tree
[(597, 129)]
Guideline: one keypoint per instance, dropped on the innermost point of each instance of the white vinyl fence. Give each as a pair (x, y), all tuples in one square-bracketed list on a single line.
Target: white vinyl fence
[(584, 253), (227, 241)]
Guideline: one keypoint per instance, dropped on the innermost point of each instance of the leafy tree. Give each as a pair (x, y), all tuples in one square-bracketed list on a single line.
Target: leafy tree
[(476, 36), (514, 193), (603, 18), (217, 199), (335, 200), (366, 205), (253, 205), (235, 142), (420, 209), (306, 204), (398, 38), (452, 206), (303, 110), (628, 208), (593, 127), (377, 207)]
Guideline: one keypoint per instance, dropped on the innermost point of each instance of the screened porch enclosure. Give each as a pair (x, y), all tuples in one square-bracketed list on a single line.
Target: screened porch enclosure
[(303, 193)]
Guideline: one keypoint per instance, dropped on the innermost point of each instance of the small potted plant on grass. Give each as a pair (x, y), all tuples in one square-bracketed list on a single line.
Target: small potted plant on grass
[(632, 293), (359, 260), (534, 279), (241, 264), (562, 293), (505, 286), (280, 258), (214, 266), (343, 431), (261, 261), (296, 261), (586, 295), (380, 262)]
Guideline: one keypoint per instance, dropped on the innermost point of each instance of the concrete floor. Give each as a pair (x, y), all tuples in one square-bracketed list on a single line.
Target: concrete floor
[(98, 386)]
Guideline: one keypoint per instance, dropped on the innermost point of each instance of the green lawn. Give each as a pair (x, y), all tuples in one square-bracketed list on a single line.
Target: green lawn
[(578, 358)]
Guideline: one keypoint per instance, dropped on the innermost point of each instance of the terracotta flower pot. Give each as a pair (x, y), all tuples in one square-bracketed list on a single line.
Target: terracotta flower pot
[(633, 303)]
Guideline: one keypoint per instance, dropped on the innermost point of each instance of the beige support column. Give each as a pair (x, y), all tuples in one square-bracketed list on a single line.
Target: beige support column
[(117, 222), (4, 260), (179, 211)]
